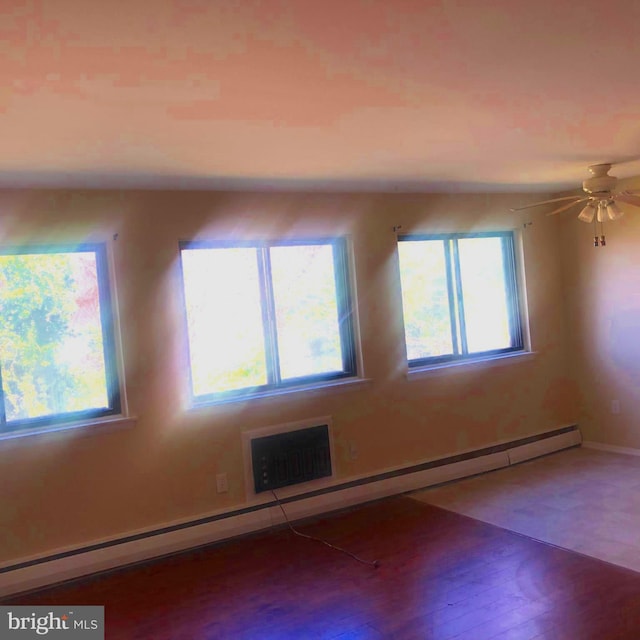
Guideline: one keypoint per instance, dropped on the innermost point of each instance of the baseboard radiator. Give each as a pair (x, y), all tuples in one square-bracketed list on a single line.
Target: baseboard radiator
[(300, 459)]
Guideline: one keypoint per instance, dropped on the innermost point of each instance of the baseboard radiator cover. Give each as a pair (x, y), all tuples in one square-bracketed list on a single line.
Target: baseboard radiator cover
[(545, 446), (66, 564)]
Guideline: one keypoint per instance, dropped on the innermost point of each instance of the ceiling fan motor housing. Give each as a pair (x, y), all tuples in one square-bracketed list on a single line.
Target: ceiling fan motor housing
[(601, 182)]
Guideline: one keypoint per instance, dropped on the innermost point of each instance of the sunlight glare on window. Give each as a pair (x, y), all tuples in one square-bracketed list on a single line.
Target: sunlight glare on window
[(226, 340), (486, 306), (306, 310), (425, 299)]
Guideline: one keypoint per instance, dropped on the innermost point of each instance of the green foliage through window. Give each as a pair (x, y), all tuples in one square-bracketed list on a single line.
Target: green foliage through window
[(56, 349), (459, 296)]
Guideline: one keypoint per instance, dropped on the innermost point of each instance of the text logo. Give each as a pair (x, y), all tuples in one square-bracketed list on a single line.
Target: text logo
[(73, 622)]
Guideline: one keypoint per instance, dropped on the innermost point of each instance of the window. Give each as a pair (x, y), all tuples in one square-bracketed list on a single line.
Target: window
[(266, 316), (57, 355), (459, 296)]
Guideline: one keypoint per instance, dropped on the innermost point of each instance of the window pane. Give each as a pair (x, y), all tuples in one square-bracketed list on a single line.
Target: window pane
[(486, 306), (304, 292), (224, 316), (425, 300), (51, 342)]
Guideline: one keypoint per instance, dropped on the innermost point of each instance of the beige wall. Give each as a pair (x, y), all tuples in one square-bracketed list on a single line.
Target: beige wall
[(602, 293), (74, 488)]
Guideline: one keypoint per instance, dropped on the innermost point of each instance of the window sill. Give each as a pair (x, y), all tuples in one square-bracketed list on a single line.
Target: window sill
[(76, 428), (345, 384), (461, 366)]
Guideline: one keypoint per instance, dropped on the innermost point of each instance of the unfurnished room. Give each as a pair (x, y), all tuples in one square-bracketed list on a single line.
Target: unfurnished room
[(319, 320)]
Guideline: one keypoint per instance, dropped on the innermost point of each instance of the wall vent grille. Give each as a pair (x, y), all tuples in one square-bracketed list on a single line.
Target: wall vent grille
[(292, 457)]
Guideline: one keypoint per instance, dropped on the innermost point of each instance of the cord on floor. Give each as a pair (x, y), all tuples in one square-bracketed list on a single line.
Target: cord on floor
[(373, 563)]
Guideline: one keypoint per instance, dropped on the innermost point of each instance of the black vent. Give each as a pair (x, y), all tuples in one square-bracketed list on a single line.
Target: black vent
[(289, 458)]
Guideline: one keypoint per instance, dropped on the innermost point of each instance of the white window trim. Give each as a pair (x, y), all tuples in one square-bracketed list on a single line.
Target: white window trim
[(84, 427), (328, 386), (470, 364)]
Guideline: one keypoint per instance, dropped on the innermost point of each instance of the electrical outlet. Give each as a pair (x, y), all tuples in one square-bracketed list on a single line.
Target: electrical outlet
[(353, 451), (615, 406), (222, 484)]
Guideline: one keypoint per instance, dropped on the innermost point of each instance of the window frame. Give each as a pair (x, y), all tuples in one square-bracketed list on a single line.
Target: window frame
[(455, 298), (109, 347), (345, 308)]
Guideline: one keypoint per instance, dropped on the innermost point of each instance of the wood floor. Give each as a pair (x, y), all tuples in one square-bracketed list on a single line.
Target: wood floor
[(441, 575)]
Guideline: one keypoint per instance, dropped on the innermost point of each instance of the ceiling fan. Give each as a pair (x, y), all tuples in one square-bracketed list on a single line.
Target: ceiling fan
[(601, 197)]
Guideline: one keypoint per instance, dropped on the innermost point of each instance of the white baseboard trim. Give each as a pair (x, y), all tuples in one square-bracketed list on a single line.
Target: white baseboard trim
[(630, 451), (66, 564), (117, 555), (543, 447)]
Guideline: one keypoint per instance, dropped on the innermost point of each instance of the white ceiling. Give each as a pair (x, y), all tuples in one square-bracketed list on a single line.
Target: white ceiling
[(372, 94)]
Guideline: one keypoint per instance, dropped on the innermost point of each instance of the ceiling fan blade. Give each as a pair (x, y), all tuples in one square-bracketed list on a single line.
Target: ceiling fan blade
[(628, 198), (564, 207), (537, 204)]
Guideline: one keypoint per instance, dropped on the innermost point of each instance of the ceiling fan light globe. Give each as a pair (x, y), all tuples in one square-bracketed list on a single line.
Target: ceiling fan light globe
[(587, 214), (601, 216), (614, 211)]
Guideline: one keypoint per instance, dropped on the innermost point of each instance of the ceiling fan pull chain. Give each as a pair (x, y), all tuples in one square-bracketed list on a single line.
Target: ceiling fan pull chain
[(600, 241)]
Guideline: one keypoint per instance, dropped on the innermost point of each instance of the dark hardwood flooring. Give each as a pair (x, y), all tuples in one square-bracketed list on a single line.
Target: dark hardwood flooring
[(441, 576)]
